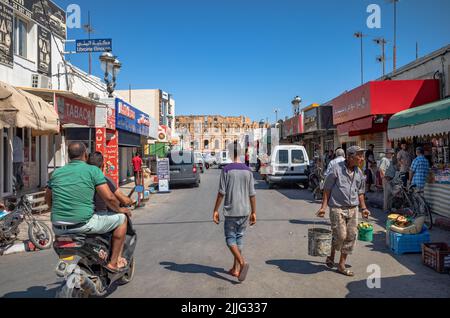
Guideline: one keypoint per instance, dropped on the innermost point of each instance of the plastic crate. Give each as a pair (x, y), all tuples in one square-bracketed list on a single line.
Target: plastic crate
[(408, 243), (434, 255)]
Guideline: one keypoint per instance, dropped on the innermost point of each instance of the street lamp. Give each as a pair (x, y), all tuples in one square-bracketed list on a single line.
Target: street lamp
[(360, 35), (296, 105), (276, 114), (382, 58), (111, 66)]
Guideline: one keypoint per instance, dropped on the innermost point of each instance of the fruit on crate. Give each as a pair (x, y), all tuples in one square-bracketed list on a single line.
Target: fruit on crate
[(365, 226)]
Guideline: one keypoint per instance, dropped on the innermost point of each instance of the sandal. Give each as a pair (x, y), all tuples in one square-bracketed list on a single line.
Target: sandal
[(330, 263), (244, 271), (233, 273), (118, 270), (346, 272)]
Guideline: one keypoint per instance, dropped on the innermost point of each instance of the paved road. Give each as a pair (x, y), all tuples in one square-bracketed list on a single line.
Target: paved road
[(181, 253)]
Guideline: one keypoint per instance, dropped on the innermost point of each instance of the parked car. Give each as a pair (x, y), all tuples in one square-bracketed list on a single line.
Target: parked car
[(198, 158), (183, 169), (288, 165), (224, 159)]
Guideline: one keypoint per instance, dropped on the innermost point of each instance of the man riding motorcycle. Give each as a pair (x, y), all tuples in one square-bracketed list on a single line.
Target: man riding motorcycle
[(70, 195)]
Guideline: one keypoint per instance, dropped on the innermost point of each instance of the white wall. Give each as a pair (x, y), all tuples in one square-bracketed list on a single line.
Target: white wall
[(146, 100)]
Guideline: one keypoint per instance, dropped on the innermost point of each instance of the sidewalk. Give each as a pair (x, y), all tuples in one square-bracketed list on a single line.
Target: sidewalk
[(22, 243)]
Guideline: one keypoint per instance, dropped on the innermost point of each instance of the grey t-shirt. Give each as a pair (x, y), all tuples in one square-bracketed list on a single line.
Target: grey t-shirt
[(345, 189), (237, 185)]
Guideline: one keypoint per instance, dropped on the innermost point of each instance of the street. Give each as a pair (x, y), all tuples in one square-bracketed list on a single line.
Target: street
[(181, 253)]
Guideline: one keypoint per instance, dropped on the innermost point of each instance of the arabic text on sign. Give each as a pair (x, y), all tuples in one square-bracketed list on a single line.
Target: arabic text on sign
[(126, 111)]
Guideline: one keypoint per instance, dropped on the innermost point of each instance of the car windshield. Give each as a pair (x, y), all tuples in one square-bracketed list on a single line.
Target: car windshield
[(181, 158)]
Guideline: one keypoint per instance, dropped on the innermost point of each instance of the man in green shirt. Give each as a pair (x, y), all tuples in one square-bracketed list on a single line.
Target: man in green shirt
[(70, 195)]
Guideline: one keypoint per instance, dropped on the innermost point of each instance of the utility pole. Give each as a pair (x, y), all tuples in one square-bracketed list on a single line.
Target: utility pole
[(382, 58), (360, 36), (417, 50), (89, 30), (395, 33)]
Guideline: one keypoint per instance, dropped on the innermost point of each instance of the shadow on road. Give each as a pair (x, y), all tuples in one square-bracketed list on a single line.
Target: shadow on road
[(197, 269), (298, 266), (171, 223), (309, 222), (36, 292)]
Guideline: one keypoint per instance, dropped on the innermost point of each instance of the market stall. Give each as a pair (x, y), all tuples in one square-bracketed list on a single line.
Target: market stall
[(429, 126)]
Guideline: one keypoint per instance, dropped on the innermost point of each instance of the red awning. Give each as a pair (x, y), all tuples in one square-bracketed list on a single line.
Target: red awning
[(355, 125)]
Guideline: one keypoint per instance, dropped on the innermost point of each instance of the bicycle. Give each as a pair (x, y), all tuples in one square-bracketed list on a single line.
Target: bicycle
[(410, 197)]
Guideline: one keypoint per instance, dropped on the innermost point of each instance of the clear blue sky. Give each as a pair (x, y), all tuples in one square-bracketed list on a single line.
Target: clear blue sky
[(248, 57)]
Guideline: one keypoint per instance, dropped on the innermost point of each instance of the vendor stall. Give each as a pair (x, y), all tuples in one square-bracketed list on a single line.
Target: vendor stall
[(429, 126)]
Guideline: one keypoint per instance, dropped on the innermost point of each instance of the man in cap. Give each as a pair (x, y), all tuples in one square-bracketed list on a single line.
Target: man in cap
[(420, 170), (344, 193)]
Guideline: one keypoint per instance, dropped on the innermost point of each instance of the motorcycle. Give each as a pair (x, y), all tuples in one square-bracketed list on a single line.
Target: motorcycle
[(83, 260), (316, 181), (38, 232)]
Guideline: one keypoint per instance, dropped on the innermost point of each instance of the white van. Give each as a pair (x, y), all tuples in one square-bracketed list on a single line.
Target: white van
[(288, 164), (224, 159)]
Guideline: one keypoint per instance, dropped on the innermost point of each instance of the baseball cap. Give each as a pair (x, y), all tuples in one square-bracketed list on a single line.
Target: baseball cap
[(354, 150), (390, 151)]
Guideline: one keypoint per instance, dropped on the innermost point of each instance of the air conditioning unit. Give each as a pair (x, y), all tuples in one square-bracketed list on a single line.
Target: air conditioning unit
[(40, 81), (94, 96)]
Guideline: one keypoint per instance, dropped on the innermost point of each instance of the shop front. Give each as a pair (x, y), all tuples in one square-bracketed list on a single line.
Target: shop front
[(318, 130), (292, 129), (362, 115), (133, 128), (26, 124), (428, 126)]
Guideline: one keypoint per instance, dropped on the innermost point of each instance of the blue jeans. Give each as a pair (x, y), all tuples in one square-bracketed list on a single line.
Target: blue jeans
[(235, 228)]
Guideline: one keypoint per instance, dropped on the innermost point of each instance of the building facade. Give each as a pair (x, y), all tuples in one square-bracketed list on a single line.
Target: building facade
[(212, 134)]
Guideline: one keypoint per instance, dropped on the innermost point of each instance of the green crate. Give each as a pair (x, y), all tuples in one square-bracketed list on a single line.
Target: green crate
[(365, 235)]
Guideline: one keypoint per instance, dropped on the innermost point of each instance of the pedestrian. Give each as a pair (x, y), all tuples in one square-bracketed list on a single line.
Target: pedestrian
[(384, 167), (328, 158), (340, 157), (370, 160), (137, 168), (344, 194), (18, 160), (247, 158), (404, 159), (237, 190), (420, 170)]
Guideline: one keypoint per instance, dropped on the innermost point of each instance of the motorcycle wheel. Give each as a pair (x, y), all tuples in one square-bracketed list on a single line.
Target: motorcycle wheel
[(128, 277), (40, 235), (67, 292)]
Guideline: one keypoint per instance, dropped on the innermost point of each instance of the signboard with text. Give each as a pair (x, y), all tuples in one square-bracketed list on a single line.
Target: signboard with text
[(6, 36), (163, 168), (73, 112), (44, 58), (93, 45), (131, 119), (106, 142)]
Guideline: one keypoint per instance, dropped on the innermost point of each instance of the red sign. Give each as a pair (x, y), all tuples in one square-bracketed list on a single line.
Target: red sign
[(73, 112), (109, 148), (293, 126), (144, 121), (383, 98), (111, 118)]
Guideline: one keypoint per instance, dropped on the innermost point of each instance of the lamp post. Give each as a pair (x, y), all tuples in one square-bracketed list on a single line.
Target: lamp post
[(296, 105), (277, 110), (111, 66), (360, 36), (382, 58), (395, 33)]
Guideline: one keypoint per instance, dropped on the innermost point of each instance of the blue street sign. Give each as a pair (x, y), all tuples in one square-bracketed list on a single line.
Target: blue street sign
[(94, 45)]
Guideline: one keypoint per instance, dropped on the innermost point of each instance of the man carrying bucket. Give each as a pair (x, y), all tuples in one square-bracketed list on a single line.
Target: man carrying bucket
[(344, 191)]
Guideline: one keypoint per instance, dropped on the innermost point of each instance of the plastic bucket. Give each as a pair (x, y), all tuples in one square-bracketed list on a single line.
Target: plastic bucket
[(319, 242), (365, 235)]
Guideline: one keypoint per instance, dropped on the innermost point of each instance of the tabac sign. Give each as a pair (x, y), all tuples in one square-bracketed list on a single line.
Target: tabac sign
[(73, 112)]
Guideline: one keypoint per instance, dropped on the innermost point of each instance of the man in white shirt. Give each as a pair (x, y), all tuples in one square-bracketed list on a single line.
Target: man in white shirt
[(384, 166), (18, 159), (340, 157)]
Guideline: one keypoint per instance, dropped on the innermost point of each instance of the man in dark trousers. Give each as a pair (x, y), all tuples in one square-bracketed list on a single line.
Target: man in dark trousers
[(237, 187)]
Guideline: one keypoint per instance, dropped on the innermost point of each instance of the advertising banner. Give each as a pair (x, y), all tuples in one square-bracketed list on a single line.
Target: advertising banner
[(106, 142), (43, 12), (73, 112), (131, 119), (6, 36), (44, 58), (163, 167)]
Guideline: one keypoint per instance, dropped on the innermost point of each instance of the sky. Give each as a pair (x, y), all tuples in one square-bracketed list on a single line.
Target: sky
[(250, 57)]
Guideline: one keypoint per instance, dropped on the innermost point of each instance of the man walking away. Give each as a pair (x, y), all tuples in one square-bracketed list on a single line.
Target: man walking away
[(137, 168), (370, 160), (420, 170), (344, 194), (237, 187), (70, 196), (340, 157), (384, 167)]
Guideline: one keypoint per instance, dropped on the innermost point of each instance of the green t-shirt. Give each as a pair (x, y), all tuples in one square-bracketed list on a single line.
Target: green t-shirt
[(73, 190)]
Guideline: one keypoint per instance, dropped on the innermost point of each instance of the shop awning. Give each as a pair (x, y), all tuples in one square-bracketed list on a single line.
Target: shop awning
[(355, 125), (430, 119), (23, 110)]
